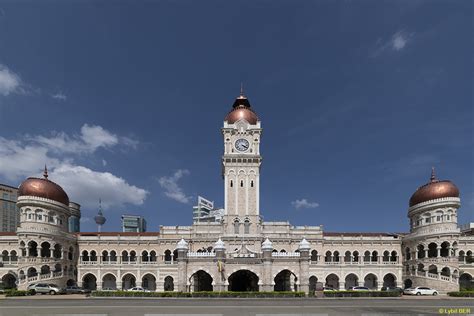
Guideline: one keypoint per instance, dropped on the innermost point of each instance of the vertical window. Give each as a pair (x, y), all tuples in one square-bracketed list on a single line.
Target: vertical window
[(251, 183), (247, 227), (236, 227), (231, 183), (241, 183)]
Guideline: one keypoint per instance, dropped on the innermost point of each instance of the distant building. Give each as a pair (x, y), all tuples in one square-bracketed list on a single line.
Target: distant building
[(133, 224), (9, 215), (204, 211)]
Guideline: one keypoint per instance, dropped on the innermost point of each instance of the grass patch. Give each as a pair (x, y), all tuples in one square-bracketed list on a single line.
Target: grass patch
[(469, 293)]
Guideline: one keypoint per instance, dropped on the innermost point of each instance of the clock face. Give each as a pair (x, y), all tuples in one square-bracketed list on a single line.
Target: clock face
[(242, 144)]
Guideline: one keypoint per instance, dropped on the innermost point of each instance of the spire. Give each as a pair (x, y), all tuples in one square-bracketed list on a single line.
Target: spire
[(45, 172), (242, 95), (100, 206), (433, 176)]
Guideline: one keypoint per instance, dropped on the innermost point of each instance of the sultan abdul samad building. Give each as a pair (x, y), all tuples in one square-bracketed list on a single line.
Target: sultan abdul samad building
[(241, 252)]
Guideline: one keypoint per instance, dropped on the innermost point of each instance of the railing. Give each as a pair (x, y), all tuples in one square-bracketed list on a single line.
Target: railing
[(432, 275), (244, 255), (201, 254), (285, 254)]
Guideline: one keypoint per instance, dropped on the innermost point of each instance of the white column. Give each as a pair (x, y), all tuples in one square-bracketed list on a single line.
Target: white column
[(226, 184), (247, 194), (257, 192)]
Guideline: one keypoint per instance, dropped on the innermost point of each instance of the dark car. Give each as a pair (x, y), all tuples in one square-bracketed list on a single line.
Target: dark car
[(76, 290), (392, 289)]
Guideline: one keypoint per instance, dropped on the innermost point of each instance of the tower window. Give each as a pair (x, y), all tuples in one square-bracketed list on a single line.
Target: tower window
[(236, 227), (251, 183), (242, 183), (246, 227), (231, 183)]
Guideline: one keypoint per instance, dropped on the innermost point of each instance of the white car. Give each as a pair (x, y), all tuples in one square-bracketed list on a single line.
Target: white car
[(359, 288), (138, 289), (420, 290)]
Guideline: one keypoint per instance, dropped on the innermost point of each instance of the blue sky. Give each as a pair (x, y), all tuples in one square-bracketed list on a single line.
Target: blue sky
[(124, 101)]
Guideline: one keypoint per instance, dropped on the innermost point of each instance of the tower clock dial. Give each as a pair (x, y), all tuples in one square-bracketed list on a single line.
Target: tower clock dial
[(242, 144)]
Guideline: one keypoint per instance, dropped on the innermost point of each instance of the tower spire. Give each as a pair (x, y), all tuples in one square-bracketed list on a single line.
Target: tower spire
[(45, 172), (100, 218), (433, 176), (241, 88)]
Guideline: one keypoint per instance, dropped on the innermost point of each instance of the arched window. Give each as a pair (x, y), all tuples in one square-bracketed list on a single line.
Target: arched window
[(93, 256), (247, 227), (113, 256), (336, 256), (167, 256), (314, 255), (347, 256), (152, 256), (105, 256), (251, 183), (374, 256), (241, 183), (328, 257), (231, 183), (393, 256), (386, 256), (236, 226), (355, 256), (367, 256), (175, 255), (124, 256), (85, 255), (144, 256), (133, 256), (407, 253)]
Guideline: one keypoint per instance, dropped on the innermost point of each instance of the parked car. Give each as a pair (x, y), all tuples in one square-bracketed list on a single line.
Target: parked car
[(392, 289), (328, 289), (31, 286), (76, 290), (108, 289), (138, 289), (45, 288), (359, 288), (420, 290)]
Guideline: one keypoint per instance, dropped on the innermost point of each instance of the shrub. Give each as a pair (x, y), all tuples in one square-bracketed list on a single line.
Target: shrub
[(362, 294), (15, 292), (462, 293), (195, 294)]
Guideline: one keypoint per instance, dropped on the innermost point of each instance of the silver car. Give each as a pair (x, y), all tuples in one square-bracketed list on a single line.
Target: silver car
[(46, 288)]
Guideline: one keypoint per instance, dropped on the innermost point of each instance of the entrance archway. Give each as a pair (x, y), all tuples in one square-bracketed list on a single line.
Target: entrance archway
[(169, 284), (408, 283), (89, 282), (313, 281), (9, 281), (466, 282), (351, 280), (285, 281), (243, 281), (128, 281), (332, 280), (109, 282), (202, 281), (370, 281), (149, 282), (389, 280)]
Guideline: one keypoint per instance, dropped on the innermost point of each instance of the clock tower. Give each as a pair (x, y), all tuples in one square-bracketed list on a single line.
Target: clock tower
[(241, 168)]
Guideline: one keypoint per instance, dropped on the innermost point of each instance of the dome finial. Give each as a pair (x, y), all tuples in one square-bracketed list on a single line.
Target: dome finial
[(433, 176), (45, 172), (242, 95)]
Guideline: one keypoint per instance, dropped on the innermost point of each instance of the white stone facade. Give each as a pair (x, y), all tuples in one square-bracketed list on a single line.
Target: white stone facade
[(241, 252)]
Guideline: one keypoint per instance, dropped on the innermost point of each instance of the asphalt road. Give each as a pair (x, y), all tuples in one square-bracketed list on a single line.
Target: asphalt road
[(241, 307)]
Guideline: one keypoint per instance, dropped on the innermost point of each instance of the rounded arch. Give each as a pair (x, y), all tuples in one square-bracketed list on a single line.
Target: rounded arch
[(432, 250), (351, 280), (466, 281), (313, 283), (407, 283), (149, 282), (129, 280), (285, 280), (109, 281), (201, 281), (31, 272), (89, 281), (243, 281), (389, 280), (9, 281), (169, 284), (332, 280), (370, 281)]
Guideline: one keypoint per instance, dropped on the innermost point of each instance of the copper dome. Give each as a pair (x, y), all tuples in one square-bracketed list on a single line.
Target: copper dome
[(241, 110), (43, 188), (435, 189)]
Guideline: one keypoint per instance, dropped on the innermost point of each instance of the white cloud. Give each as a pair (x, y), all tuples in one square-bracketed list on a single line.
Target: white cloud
[(397, 43), (87, 187), (85, 219), (304, 203), (9, 81), (171, 187), (104, 162), (25, 157), (91, 138), (59, 96)]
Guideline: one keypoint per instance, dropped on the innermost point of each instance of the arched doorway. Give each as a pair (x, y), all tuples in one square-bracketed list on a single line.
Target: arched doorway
[(389, 280), (407, 284), (243, 281), (169, 284), (313, 281), (351, 280), (332, 280), (370, 281), (109, 281), (70, 282), (128, 281), (31, 272), (149, 282), (89, 282), (466, 282), (285, 280), (202, 281), (9, 281)]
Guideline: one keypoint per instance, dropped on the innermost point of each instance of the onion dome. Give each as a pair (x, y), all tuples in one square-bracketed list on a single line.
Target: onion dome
[(43, 188), (435, 189), (304, 245), (219, 245), (267, 245), (100, 218), (241, 110), (182, 245)]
